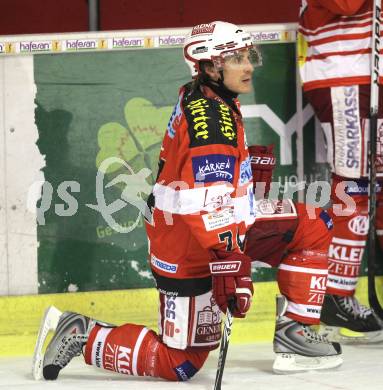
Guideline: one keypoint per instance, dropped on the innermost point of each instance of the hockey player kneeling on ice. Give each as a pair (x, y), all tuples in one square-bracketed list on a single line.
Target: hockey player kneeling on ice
[(335, 65), (197, 217), (284, 236)]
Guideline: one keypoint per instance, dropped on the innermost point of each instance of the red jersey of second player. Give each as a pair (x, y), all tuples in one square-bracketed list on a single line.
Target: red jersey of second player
[(334, 43)]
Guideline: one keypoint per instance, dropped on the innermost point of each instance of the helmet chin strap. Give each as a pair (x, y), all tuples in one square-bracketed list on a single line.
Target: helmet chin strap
[(205, 78), (220, 88), (222, 85), (220, 81)]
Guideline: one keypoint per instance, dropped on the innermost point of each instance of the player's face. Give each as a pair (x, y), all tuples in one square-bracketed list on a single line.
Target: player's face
[(237, 72)]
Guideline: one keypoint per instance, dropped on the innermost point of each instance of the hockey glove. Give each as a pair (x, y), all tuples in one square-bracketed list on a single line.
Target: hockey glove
[(262, 166), (231, 280)]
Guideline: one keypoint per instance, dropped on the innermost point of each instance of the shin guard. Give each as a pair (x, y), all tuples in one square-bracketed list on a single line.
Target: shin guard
[(349, 236), (302, 278), (135, 350)]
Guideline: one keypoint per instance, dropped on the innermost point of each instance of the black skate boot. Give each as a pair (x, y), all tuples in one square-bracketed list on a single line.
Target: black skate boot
[(299, 348), (346, 312)]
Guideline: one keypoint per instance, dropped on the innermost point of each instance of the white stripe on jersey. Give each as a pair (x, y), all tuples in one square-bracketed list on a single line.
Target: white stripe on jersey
[(137, 347), (341, 282), (367, 16), (340, 46), (305, 270), (322, 69), (193, 200), (342, 241), (98, 347), (335, 33), (310, 311), (343, 51)]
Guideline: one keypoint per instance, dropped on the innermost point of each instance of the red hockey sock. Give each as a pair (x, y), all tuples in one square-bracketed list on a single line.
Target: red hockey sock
[(349, 236), (135, 350), (302, 278)]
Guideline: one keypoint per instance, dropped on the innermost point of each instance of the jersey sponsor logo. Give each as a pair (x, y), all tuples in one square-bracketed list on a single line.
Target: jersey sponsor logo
[(317, 289), (227, 122), (314, 310), (208, 326), (318, 283), (169, 293), (266, 207), (345, 253), (163, 265), (225, 267), (206, 28), (169, 328), (185, 371), (217, 220), (214, 200), (339, 282), (324, 216), (347, 129), (245, 173), (272, 208), (199, 118), (343, 269), (213, 167), (208, 322), (352, 127), (174, 120), (359, 225), (170, 316), (360, 187), (209, 121), (118, 358), (357, 187), (98, 358)]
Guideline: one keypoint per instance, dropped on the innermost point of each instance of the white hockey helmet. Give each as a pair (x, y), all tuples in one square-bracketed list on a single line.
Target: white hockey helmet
[(214, 42)]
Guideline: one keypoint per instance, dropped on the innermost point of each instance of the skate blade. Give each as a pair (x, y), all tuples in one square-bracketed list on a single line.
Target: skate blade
[(48, 323), (291, 363), (346, 336)]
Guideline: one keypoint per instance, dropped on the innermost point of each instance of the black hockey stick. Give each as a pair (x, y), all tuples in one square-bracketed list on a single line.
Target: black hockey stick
[(224, 344), (374, 105)]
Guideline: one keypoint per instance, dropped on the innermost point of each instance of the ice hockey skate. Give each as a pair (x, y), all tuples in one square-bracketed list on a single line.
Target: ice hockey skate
[(340, 315), (299, 348), (71, 333)]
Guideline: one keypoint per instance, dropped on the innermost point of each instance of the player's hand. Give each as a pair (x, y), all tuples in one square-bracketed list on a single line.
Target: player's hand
[(231, 280)]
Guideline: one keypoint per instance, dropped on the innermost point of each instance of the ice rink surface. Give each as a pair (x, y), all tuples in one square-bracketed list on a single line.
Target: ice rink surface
[(247, 367)]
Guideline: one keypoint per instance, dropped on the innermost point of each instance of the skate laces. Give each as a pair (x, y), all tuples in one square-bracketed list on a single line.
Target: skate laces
[(313, 335), (351, 305), (71, 347)]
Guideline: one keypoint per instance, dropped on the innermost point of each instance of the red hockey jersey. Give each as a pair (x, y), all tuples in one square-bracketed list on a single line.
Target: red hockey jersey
[(203, 195), (334, 42)]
